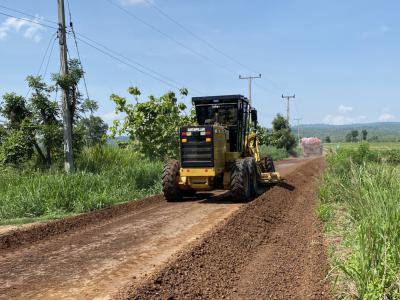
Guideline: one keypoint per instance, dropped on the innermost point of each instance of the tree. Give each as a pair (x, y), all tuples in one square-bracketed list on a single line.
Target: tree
[(281, 135), (352, 136), (93, 128), (328, 139), (364, 134), (262, 134), (152, 125), (34, 126)]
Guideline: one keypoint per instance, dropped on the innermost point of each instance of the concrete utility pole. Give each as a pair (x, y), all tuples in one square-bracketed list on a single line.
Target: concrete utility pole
[(250, 79), (65, 96), (298, 129), (288, 106)]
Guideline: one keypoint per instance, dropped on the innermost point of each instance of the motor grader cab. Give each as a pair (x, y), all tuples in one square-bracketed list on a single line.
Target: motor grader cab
[(221, 152)]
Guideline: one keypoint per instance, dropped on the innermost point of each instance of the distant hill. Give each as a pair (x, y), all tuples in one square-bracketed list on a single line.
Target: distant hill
[(383, 131)]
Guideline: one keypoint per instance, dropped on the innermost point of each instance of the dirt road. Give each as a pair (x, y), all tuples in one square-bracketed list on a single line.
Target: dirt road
[(270, 246)]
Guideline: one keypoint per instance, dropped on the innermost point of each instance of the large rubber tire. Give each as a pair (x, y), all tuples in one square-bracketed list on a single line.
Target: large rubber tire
[(267, 164), (253, 180), (239, 184), (170, 179)]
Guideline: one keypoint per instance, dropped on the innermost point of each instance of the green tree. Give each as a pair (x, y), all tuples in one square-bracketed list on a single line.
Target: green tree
[(34, 125), (152, 125), (328, 139), (364, 134), (281, 135), (93, 128), (352, 136), (262, 133)]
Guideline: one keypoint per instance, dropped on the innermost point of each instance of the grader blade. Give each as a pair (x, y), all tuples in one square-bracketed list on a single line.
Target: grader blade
[(271, 177)]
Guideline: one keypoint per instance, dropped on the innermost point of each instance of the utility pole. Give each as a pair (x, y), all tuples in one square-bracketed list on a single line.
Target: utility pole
[(250, 79), (288, 106), (65, 95), (298, 129)]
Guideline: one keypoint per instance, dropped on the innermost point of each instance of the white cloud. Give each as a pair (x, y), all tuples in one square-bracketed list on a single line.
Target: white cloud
[(29, 30), (344, 109), (342, 119), (136, 2), (385, 117)]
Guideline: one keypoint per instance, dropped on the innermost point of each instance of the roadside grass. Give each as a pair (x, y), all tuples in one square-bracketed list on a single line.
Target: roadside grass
[(360, 207), (276, 153), (105, 176)]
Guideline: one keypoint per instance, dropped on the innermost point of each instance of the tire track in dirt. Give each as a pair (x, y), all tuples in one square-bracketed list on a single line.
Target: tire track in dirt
[(271, 248)]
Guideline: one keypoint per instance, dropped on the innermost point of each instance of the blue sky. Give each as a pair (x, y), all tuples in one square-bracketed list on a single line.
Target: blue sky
[(339, 57)]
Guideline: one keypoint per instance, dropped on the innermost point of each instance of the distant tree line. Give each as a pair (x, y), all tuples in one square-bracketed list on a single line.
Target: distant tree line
[(354, 136)]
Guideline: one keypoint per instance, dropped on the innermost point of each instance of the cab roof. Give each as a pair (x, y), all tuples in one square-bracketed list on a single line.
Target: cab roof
[(219, 99)]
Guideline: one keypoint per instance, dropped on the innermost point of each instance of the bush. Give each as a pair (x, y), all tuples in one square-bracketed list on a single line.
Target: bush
[(105, 176)]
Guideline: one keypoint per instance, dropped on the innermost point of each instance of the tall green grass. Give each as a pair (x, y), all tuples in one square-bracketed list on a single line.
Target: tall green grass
[(105, 176), (360, 203), (276, 153)]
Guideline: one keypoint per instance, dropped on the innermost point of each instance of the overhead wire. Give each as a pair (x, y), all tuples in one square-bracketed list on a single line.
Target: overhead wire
[(175, 84), (183, 27), (77, 48), (28, 20), (45, 53), (126, 63), (209, 44), (170, 37), (49, 58), (113, 54), (26, 14), (53, 38)]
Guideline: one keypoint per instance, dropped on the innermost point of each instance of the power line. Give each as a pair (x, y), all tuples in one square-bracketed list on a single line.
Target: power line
[(52, 39), (230, 70), (114, 56), (49, 58), (175, 83), (204, 41), (26, 14), (127, 63), (204, 57), (184, 28), (45, 53), (77, 49), (28, 20)]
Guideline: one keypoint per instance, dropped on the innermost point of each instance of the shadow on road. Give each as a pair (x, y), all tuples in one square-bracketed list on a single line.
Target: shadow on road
[(223, 197)]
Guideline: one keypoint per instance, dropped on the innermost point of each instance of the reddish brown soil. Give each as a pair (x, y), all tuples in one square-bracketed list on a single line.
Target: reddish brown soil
[(271, 248), (95, 255)]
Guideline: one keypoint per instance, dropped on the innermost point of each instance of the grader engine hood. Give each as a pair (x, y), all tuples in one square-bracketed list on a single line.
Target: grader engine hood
[(196, 145)]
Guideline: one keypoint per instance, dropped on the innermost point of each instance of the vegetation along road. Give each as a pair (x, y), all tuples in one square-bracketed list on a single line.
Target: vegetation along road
[(151, 249)]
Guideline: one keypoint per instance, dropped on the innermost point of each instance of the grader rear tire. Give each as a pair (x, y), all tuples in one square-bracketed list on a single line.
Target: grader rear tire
[(170, 180), (253, 180), (240, 183)]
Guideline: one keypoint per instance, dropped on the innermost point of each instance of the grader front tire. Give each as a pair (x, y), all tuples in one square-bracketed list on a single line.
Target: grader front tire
[(170, 180), (240, 181)]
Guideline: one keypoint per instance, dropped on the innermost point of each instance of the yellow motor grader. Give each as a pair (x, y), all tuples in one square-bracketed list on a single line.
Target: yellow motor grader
[(221, 152)]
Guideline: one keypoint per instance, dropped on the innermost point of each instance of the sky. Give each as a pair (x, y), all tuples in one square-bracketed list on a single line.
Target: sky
[(339, 57)]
